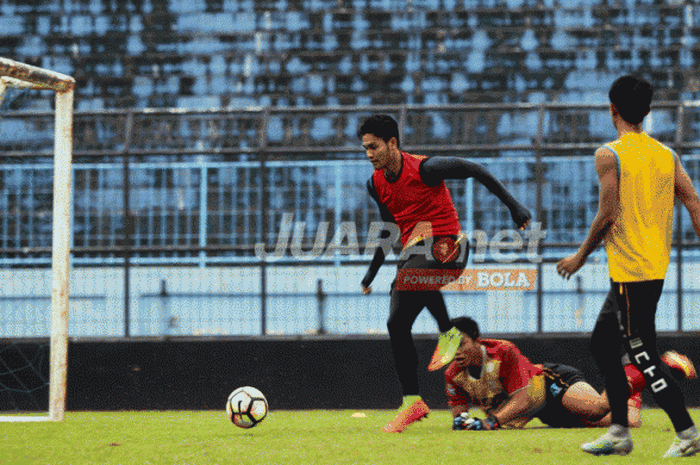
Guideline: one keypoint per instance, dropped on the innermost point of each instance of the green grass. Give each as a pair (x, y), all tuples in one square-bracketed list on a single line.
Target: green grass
[(304, 437)]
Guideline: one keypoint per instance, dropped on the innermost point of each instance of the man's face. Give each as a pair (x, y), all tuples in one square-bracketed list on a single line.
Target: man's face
[(378, 151), (469, 353)]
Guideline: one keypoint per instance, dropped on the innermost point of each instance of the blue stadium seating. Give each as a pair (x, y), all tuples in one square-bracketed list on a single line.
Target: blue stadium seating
[(236, 53)]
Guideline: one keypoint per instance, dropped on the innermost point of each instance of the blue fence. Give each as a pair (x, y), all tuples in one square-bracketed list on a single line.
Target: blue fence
[(201, 204), (187, 292), (209, 204), (169, 207)]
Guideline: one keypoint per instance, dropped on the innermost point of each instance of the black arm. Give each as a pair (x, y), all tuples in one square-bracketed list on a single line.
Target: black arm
[(375, 264), (379, 257), (434, 170)]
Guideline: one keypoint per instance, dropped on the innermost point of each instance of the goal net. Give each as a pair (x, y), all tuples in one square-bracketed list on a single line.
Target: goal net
[(22, 370)]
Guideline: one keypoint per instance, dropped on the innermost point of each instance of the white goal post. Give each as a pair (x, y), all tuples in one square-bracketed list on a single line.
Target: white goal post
[(16, 74)]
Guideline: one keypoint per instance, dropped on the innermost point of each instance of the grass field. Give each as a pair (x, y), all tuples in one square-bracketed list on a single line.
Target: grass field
[(305, 437)]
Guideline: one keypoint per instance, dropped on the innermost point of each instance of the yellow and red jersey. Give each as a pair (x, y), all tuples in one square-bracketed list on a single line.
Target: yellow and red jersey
[(504, 370)]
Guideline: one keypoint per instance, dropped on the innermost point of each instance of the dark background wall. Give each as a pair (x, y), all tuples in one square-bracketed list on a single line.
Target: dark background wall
[(318, 373), (303, 373)]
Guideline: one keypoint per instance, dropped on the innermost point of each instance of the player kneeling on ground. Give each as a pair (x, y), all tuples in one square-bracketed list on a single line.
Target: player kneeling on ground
[(495, 376)]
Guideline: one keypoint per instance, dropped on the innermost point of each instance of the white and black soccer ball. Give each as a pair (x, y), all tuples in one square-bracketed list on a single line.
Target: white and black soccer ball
[(246, 407)]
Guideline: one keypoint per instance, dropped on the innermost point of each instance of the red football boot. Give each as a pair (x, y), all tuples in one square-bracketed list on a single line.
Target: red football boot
[(680, 362), (414, 412)]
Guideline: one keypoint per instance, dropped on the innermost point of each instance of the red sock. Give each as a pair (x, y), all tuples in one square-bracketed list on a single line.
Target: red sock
[(635, 379)]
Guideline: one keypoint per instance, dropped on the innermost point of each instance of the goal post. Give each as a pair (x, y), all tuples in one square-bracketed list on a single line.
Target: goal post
[(16, 74)]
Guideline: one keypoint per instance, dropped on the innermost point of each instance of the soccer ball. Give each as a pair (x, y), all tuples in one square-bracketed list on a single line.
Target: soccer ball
[(246, 407)]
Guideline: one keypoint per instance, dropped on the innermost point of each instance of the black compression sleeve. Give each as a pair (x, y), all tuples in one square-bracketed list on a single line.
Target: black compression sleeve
[(375, 264), (378, 259), (434, 170)]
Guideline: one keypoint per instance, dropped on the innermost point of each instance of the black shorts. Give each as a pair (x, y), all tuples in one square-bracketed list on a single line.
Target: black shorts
[(558, 378)]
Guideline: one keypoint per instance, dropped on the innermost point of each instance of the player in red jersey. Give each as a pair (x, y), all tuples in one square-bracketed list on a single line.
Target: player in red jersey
[(410, 192), (493, 375)]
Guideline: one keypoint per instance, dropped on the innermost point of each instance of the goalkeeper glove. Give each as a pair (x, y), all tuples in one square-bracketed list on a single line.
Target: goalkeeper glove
[(463, 422), (458, 424)]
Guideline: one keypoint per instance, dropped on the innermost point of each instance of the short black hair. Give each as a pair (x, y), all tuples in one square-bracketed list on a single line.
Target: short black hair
[(632, 97), (382, 126), (468, 326)]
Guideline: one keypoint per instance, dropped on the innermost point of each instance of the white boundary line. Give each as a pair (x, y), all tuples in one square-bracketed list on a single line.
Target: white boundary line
[(23, 419)]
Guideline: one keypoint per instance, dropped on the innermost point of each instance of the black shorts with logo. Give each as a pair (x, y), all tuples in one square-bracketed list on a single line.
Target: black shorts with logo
[(558, 378)]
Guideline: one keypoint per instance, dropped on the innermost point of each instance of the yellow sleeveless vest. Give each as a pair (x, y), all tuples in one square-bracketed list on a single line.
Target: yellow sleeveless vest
[(638, 245)]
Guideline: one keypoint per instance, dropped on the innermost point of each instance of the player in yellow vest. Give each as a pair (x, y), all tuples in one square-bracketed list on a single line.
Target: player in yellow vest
[(639, 178)]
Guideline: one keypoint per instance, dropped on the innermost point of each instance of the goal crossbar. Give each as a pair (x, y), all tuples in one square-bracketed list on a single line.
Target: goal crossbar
[(16, 74), (40, 77)]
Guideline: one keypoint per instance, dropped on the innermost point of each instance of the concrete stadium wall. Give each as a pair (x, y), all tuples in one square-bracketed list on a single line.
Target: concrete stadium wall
[(225, 301), (301, 373)]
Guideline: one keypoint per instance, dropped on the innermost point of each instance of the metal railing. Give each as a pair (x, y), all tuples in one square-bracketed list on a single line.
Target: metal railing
[(204, 187)]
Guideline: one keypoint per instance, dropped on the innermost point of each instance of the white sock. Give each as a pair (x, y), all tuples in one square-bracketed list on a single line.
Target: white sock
[(618, 431)]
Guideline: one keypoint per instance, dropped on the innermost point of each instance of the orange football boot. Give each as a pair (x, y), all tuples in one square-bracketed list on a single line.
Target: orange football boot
[(414, 412)]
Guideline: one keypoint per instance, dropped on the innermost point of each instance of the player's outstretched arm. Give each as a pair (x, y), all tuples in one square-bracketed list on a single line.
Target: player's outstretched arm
[(434, 170), (686, 193)]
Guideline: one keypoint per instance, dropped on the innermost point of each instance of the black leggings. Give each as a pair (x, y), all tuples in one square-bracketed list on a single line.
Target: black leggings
[(627, 320), (404, 308)]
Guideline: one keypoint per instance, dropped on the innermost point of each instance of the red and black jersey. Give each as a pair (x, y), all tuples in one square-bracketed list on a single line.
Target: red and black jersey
[(504, 370), (411, 201)]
